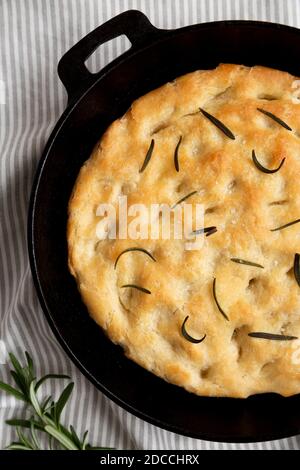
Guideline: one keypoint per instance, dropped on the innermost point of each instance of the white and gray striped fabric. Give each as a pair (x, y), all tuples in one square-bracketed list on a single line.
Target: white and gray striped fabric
[(34, 34)]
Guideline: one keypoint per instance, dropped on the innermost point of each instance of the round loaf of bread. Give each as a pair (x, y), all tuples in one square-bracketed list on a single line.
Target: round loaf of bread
[(227, 139)]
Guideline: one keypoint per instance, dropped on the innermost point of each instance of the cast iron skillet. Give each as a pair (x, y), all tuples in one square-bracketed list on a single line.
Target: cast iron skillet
[(95, 100)]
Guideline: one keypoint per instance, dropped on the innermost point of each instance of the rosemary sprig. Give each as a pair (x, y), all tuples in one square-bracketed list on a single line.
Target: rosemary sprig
[(124, 306), (207, 230), (135, 248), (148, 156), (211, 231), (286, 225), (184, 198), (218, 124), (297, 268), (217, 302), (262, 168), (187, 336), (271, 336), (46, 414), (249, 263), (134, 286), (275, 118), (176, 162)]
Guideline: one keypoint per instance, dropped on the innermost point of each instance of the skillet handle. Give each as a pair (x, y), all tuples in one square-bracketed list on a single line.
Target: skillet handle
[(71, 68)]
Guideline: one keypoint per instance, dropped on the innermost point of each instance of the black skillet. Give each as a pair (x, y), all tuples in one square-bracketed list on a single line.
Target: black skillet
[(95, 100)]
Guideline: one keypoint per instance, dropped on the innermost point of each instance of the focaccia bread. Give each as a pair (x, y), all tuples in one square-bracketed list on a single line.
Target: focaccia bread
[(236, 133)]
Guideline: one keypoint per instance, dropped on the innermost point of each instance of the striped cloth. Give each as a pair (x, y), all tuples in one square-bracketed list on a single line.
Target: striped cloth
[(34, 34)]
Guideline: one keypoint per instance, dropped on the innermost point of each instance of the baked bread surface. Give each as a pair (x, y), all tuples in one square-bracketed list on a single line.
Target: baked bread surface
[(244, 203)]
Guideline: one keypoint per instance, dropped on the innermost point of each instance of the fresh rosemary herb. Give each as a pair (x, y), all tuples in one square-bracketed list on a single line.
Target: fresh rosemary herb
[(271, 336), (148, 156), (275, 118), (217, 302), (187, 336), (297, 268), (207, 230), (135, 248), (46, 414), (262, 168), (286, 225), (133, 286), (184, 199), (211, 232), (124, 306), (249, 263), (218, 124), (176, 162)]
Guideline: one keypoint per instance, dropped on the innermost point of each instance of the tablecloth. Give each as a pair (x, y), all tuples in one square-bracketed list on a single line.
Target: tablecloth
[(34, 34)]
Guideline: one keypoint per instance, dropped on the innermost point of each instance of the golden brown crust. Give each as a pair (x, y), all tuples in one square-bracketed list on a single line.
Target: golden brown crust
[(244, 203)]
